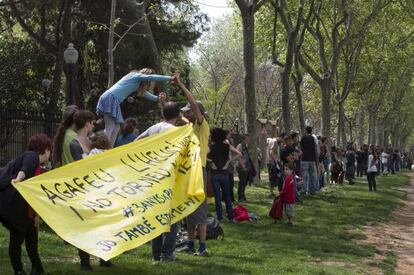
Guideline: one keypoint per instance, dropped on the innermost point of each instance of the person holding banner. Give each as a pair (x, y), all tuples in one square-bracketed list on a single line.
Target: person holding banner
[(79, 146), (65, 134), (109, 104), (194, 111), (22, 221), (163, 246)]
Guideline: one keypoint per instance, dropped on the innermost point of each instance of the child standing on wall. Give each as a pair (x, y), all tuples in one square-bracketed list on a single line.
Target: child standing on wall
[(109, 104), (288, 193)]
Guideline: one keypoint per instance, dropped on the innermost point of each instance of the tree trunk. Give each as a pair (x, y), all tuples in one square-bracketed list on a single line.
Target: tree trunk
[(386, 139), (360, 126), (341, 125), (111, 45), (285, 100), (371, 128), (249, 82), (381, 129), (287, 69), (298, 82), (153, 59), (326, 107)]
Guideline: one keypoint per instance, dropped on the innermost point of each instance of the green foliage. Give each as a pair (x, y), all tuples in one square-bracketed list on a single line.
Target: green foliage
[(23, 66)]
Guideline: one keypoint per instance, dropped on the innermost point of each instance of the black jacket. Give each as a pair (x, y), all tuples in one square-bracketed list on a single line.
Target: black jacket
[(13, 208)]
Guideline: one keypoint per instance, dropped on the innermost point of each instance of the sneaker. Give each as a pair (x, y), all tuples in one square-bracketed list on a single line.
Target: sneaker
[(187, 250), (203, 253), (169, 259), (155, 262)]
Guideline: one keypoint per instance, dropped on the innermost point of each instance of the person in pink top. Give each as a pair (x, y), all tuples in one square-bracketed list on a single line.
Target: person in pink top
[(288, 193)]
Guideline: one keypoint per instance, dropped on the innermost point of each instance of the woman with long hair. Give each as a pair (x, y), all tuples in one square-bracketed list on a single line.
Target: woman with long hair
[(372, 168), (64, 136), (219, 156)]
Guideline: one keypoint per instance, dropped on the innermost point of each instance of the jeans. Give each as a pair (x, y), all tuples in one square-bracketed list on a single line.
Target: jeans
[(385, 168), (231, 184), (163, 246), (221, 182), (243, 177), (350, 173), (310, 176), (30, 238), (360, 169), (372, 184)]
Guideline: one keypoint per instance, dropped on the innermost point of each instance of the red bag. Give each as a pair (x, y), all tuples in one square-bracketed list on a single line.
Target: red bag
[(240, 213), (276, 212)]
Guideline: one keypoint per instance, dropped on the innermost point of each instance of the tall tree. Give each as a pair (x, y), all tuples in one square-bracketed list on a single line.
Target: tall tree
[(292, 31), (329, 54), (248, 8)]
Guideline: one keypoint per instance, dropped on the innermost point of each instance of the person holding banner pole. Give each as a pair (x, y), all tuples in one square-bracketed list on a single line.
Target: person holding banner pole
[(21, 219), (80, 145), (194, 111), (163, 246)]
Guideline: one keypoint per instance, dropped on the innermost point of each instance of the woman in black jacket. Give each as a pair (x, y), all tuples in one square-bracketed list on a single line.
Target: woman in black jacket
[(22, 221)]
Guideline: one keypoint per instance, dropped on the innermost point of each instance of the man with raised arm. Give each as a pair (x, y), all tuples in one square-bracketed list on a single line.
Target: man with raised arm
[(195, 113)]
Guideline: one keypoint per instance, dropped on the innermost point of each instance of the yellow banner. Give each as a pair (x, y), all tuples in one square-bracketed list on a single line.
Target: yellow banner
[(122, 198)]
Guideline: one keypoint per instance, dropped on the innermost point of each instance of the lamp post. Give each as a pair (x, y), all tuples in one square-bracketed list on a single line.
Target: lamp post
[(70, 56), (222, 121)]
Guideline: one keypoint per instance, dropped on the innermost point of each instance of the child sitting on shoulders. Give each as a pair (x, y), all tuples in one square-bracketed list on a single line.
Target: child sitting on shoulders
[(288, 193), (99, 143)]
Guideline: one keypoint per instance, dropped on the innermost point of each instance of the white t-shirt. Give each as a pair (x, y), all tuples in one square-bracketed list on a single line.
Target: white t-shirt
[(157, 128), (271, 143), (372, 166), (384, 157)]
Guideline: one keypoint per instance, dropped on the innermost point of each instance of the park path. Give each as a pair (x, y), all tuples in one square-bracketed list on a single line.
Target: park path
[(397, 236)]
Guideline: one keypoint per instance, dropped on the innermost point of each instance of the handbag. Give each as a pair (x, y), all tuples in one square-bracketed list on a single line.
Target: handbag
[(276, 212)]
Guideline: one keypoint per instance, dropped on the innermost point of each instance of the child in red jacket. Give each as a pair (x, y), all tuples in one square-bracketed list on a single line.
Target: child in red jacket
[(288, 193)]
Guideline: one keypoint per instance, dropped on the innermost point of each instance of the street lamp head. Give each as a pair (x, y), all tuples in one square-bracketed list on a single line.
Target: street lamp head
[(70, 55), (46, 83), (94, 92)]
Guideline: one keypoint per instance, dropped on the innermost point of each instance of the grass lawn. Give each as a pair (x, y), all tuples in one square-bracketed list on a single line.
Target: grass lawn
[(320, 242)]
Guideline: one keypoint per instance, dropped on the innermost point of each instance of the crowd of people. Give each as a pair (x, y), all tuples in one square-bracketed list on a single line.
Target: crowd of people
[(296, 167), (316, 166)]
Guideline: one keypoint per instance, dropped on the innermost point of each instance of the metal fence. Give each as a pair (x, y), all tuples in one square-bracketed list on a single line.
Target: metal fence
[(17, 126)]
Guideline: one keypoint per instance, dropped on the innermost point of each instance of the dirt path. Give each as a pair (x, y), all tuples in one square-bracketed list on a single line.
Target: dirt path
[(397, 236)]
